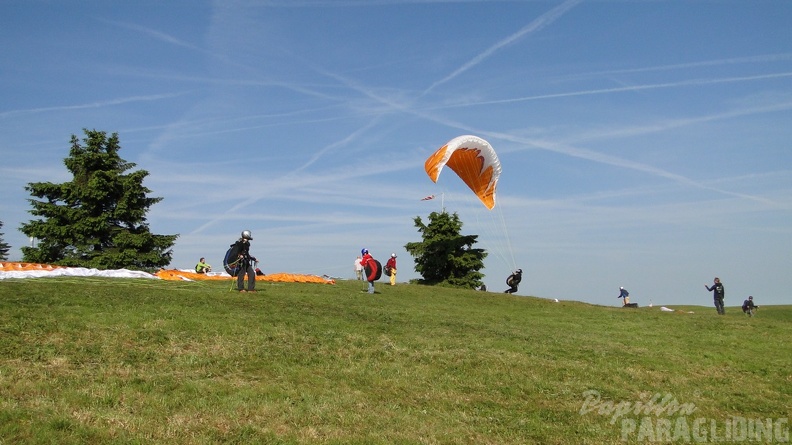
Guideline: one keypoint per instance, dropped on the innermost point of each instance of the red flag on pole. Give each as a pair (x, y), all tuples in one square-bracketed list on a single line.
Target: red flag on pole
[(428, 198)]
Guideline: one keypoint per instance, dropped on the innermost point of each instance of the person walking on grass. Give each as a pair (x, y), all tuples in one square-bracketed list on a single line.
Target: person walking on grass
[(390, 269), (718, 295), (369, 268)]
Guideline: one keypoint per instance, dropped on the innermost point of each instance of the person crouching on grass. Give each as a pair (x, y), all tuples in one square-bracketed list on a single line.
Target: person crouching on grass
[(749, 307)]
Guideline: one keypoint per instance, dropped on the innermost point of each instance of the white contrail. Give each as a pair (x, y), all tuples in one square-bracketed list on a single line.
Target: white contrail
[(106, 103), (544, 20), (654, 86)]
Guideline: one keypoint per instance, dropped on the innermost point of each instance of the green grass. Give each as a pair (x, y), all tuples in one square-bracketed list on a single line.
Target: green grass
[(140, 361)]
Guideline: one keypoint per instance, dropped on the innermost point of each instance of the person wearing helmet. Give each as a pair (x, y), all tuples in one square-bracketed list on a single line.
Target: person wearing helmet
[(246, 263), (749, 307), (513, 281), (367, 267), (390, 269)]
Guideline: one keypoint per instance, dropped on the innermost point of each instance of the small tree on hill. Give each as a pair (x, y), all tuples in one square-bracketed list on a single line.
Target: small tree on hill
[(4, 248), (98, 219), (445, 256)]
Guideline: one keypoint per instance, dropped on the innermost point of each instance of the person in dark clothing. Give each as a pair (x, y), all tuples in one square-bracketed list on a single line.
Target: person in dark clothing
[(749, 307), (718, 294), (246, 263), (624, 294), (513, 281)]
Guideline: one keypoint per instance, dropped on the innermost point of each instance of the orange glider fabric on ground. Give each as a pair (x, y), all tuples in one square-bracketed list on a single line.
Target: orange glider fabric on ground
[(172, 274), (11, 266), (163, 274)]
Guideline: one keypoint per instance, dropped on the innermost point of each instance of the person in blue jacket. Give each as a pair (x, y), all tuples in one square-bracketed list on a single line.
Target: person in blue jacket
[(624, 294)]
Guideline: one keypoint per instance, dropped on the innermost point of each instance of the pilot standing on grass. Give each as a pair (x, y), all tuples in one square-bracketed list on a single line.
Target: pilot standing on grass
[(718, 295), (246, 263), (365, 261)]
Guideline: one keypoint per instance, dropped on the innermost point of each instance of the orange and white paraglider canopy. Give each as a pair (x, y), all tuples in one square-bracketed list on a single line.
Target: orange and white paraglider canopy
[(473, 160)]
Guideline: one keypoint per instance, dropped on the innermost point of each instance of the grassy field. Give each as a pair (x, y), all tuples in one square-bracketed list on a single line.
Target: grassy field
[(142, 361)]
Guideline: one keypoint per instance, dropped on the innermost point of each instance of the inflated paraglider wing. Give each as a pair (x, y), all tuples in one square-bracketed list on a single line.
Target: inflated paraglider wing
[(473, 160)]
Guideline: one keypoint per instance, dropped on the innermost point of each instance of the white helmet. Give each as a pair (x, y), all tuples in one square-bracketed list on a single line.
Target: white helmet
[(247, 235), (393, 255)]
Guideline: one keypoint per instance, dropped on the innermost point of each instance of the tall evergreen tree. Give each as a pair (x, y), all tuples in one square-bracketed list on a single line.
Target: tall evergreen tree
[(98, 219), (4, 248), (445, 256)]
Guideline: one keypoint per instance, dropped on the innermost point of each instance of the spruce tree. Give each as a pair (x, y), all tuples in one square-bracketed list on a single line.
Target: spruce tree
[(445, 256), (98, 219), (4, 248)]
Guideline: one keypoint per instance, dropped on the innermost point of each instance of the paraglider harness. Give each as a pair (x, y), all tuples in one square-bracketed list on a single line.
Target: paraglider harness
[(513, 281), (234, 262)]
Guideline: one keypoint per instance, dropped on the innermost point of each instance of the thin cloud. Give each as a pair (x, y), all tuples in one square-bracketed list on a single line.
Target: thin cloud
[(164, 37), (633, 88), (101, 104), (763, 58), (601, 158), (677, 123), (291, 181), (536, 25)]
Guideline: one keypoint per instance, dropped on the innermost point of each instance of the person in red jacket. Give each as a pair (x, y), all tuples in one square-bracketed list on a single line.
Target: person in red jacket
[(367, 258), (390, 269)]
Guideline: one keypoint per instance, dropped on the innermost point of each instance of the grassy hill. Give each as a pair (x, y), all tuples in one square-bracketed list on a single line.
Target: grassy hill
[(143, 361)]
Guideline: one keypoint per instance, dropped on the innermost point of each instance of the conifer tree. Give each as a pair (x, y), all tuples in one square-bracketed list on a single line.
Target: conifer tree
[(4, 247), (98, 219), (445, 256)]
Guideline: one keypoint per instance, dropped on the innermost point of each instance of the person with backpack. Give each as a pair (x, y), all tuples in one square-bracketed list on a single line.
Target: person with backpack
[(390, 269), (718, 294), (371, 268), (513, 281), (245, 262)]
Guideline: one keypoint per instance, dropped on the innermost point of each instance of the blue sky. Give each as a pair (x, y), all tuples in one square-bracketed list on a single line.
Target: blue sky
[(645, 144)]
